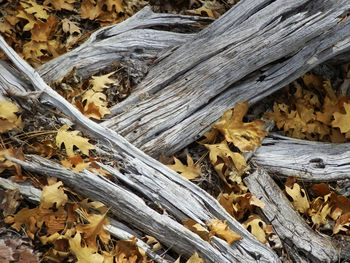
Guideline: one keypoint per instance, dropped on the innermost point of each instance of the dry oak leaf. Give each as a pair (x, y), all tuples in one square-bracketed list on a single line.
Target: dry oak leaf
[(70, 27), (30, 18), (61, 4), (342, 224), (8, 117), (95, 99), (193, 226), (89, 10), (71, 139), (195, 259), (100, 83), (190, 171), (42, 31), (221, 230), (95, 228), (222, 152), (298, 195), (75, 163), (342, 121), (245, 136), (257, 227), (31, 7), (53, 194), (126, 251), (84, 254)]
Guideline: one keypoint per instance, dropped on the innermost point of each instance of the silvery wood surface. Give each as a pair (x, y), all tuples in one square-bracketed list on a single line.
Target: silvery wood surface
[(305, 244), (176, 193), (133, 43), (311, 161), (256, 48), (115, 228)]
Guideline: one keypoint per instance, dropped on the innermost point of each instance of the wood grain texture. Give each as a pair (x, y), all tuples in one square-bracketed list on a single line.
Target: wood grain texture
[(311, 161), (244, 55), (307, 244), (186, 199), (133, 43)]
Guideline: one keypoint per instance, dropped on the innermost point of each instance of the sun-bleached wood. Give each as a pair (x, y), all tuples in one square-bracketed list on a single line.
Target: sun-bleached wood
[(134, 43), (311, 161), (307, 244), (254, 49), (176, 192), (115, 228)]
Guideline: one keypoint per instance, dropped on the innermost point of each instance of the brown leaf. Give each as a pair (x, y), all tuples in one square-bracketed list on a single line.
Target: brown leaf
[(221, 230), (245, 136)]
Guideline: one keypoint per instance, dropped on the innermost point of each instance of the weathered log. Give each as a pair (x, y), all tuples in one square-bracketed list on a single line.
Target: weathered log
[(182, 197), (133, 43), (311, 161), (115, 228), (306, 243), (256, 48)]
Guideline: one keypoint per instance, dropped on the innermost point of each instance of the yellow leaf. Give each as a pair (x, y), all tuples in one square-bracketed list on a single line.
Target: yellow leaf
[(245, 136), (257, 227), (84, 254), (342, 121), (61, 4), (222, 152), (52, 194), (71, 139), (190, 171), (298, 195), (100, 83), (195, 259), (95, 228), (8, 117), (95, 101), (221, 230), (196, 228), (31, 7)]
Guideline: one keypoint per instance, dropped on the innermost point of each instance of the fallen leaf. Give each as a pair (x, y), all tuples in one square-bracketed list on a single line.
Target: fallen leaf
[(221, 230), (71, 139), (342, 121), (84, 254), (53, 194), (195, 259), (196, 228), (297, 194), (257, 227), (245, 136), (191, 171)]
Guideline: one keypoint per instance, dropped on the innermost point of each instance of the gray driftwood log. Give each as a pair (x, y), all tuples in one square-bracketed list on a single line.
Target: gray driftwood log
[(161, 185), (115, 228), (256, 48), (311, 161), (305, 244)]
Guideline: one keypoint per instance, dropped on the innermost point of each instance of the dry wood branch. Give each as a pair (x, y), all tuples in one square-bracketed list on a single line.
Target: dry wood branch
[(116, 229), (289, 226), (133, 43), (253, 50), (312, 161), (194, 202)]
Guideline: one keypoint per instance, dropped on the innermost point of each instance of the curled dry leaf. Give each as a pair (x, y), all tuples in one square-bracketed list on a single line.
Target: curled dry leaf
[(221, 230), (196, 228), (245, 136)]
